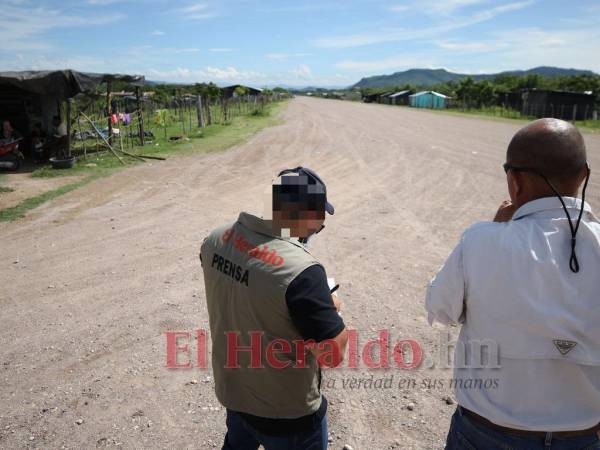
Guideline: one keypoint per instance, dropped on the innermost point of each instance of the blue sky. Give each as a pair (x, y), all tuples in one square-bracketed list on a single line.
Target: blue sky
[(298, 43)]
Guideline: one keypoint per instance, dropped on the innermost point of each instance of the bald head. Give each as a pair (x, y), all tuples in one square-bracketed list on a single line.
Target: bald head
[(551, 146)]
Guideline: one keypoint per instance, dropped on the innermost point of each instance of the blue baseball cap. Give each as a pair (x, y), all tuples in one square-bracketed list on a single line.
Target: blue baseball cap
[(313, 180)]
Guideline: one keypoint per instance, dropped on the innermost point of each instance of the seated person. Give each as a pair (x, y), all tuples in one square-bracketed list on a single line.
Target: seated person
[(9, 134)]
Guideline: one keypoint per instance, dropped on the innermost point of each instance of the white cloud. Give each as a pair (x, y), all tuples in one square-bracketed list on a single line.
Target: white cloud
[(470, 46), (228, 74), (448, 6), (196, 11), (82, 63), (23, 27), (285, 56), (158, 33), (509, 49), (392, 63), (197, 7), (402, 34), (203, 16), (302, 71), (220, 50), (185, 50), (399, 8), (101, 2), (530, 47), (299, 76)]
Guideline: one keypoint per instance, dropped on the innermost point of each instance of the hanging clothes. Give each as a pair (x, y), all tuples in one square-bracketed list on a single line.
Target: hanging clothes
[(126, 119), (114, 119)]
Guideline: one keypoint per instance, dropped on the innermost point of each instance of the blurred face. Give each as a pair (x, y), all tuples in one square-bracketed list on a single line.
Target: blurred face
[(6, 128), (300, 223), (298, 207)]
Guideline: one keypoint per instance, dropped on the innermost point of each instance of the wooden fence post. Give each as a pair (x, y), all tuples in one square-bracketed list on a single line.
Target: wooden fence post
[(109, 110), (140, 109), (69, 103), (199, 108)]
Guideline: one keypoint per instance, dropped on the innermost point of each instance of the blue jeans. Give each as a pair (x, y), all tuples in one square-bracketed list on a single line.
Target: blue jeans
[(468, 434), (242, 436)]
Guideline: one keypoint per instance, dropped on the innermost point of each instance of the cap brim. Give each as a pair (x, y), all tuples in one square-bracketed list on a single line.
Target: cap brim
[(329, 208)]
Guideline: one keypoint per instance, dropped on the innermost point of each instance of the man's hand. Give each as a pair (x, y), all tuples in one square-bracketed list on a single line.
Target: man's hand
[(505, 212), (337, 302)]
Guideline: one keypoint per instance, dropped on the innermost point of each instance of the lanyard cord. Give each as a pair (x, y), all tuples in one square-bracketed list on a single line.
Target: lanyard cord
[(573, 261)]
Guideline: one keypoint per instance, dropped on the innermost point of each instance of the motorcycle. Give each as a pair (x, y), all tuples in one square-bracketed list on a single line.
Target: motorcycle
[(10, 156)]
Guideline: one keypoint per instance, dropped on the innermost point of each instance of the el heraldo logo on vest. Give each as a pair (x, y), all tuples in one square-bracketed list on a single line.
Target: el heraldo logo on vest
[(259, 252), (235, 271)]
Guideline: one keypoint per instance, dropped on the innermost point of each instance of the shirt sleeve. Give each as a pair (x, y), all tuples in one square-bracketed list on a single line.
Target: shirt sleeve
[(311, 307), (446, 293)]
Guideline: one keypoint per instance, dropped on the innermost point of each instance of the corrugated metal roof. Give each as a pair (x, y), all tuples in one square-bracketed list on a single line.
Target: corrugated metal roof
[(429, 92), (397, 94)]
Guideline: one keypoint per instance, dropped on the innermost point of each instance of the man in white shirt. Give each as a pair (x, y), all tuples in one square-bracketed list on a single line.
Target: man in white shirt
[(526, 289)]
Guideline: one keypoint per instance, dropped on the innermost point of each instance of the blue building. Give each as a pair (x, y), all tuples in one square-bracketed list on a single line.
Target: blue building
[(428, 99)]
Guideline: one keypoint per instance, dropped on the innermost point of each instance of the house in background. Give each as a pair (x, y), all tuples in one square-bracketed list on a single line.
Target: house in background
[(383, 97), (558, 104), (428, 99), (399, 98), (370, 98), (230, 91)]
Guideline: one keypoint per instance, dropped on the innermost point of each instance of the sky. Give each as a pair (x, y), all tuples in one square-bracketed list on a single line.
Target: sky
[(296, 43)]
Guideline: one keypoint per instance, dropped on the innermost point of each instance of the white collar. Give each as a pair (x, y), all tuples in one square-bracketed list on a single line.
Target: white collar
[(550, 203)]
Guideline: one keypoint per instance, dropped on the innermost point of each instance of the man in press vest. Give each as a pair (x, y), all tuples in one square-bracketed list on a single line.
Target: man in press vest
[(273, 320), (529, 285)]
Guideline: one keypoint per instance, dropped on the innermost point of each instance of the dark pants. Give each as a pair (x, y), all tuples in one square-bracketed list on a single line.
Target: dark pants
[(242, 436), (468, 434)]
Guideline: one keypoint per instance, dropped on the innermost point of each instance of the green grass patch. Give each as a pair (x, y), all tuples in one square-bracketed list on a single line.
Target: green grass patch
[(8, 214), (4, 188), (498, 113), (212, 138)]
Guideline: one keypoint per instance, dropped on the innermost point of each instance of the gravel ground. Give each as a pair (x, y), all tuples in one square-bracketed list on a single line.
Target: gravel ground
[(91, 281)]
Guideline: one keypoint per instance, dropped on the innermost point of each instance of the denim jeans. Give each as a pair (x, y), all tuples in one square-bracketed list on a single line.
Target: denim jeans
[(242, 436), (468, 434)]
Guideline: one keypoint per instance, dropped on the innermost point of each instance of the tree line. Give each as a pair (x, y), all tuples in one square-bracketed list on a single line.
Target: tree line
[(487, 92)]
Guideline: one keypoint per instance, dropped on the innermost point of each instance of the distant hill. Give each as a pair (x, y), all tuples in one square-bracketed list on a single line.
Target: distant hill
[(429, 77)]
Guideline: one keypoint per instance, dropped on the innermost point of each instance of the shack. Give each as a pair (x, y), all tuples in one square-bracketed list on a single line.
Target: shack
[(399, 98), (232, 91), (558, 104), (383, 97), (428, 99), (370, 98), (28, 98)]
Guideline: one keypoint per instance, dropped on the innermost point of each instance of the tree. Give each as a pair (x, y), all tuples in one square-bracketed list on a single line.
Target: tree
[(240, 91)]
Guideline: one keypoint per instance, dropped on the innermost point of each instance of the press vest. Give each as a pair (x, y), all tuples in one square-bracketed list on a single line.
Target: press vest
[(247, 270)]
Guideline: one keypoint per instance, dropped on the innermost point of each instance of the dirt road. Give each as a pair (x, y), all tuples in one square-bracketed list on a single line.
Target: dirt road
[(90, 282)]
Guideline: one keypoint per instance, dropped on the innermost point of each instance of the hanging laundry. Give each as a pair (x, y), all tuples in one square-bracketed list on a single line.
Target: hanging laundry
[(121, 117), (114, 119), (126, 119)]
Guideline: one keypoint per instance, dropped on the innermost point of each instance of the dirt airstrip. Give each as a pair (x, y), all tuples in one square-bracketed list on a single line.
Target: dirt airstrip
[(89, 282)]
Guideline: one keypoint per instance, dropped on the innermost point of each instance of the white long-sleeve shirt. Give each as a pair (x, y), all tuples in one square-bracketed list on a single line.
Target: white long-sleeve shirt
[(510, 286)]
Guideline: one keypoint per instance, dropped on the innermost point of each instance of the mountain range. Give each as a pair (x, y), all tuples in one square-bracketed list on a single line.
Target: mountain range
[(429, 77)]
